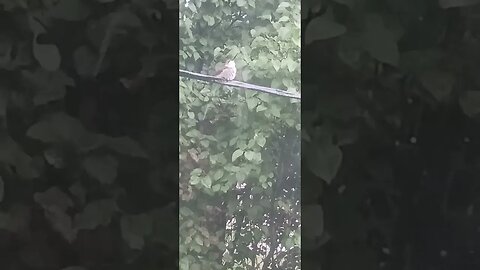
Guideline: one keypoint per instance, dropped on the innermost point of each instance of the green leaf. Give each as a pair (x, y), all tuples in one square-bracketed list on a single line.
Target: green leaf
[(70, 10), (218, 174), (241, 3), (12, 154), (134, 228), (470, 103), (102, 168), (126, 146), (96, 213), (60, 127), (206, 181), (216, 187), (55, 203), (53, 198), (62, 223), (48, 86), (438, 83), (192, 7), (321, 28), (261, 140), (54, 157), (251, 103), (47, 55), (379, 42), (209, 19), (350, 50), (240, 176), (249, 155), (261, 108), (237, 154), (324, 159), (199, 240), (78, 191), (216, 51)]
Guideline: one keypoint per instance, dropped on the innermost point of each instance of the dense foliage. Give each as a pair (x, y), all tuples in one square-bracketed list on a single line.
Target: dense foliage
[(84, 175), (390, 133), (239, 149)]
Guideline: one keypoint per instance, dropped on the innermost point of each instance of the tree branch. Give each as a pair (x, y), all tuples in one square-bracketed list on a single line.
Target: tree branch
[(208, 78)]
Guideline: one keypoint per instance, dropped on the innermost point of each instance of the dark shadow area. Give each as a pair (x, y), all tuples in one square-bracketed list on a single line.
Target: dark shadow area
[(390, 104), (89, 133)]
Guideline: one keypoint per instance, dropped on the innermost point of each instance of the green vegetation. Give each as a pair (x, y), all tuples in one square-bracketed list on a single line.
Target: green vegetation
[(240, 149)]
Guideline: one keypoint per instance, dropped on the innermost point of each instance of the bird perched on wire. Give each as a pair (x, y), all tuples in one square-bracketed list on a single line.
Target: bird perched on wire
[(228, 72)]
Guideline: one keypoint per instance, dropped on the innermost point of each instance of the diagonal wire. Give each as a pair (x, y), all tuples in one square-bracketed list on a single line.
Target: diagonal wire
[(208, 78)]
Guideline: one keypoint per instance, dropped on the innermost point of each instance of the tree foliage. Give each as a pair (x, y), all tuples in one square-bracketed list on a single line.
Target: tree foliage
[(390, 130), (239, 149), (83, 173)]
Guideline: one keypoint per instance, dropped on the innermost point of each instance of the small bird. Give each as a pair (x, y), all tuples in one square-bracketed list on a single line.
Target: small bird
[(228, 72)]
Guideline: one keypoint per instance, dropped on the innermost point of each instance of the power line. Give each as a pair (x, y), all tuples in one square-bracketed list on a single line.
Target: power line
[(208, 78)]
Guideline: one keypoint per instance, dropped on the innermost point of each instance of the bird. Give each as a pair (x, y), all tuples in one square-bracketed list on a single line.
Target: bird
[(228, 72)]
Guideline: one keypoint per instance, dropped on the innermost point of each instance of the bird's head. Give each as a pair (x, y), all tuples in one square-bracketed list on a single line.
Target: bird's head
[(230, 64)]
